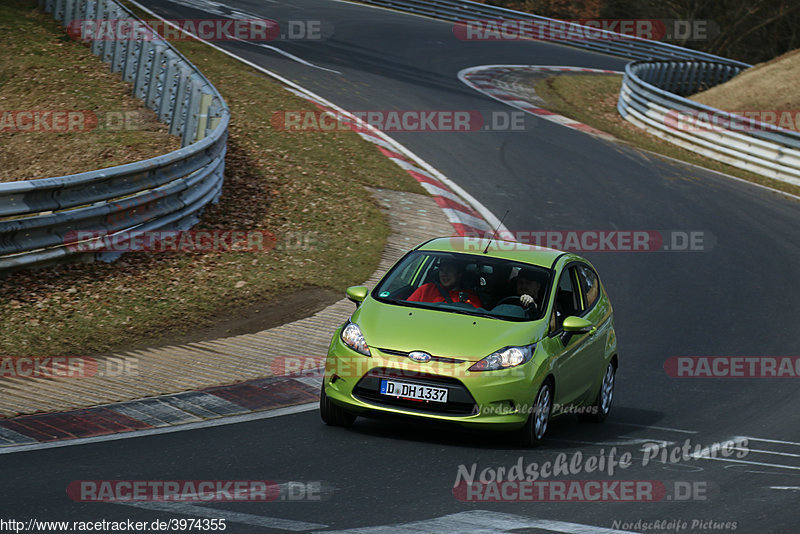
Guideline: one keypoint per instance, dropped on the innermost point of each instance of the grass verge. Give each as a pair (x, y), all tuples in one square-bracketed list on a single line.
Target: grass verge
[(768, 86), (43, 69), (306, 188), (592, 99)]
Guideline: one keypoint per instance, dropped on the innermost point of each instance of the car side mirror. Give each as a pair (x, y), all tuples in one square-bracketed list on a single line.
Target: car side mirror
[(357, 294), (578, 325)]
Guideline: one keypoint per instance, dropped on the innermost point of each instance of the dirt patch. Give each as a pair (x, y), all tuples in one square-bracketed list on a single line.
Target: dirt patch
[(246, 319), (523, 84)]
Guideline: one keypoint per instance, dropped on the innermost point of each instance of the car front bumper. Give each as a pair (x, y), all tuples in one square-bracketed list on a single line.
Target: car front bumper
[(484, 399)]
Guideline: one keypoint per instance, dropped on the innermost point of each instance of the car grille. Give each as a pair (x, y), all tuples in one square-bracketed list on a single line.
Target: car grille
[(459, 400), (442, 359)]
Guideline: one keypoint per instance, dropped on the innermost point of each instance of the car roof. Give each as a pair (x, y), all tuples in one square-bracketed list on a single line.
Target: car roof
[(508, 250)]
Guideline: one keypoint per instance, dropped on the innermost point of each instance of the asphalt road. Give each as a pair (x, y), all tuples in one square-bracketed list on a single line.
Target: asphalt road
[(392, 472), (737, 297)]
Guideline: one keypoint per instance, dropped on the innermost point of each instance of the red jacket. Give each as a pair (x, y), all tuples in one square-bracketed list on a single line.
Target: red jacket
[(430, 293)]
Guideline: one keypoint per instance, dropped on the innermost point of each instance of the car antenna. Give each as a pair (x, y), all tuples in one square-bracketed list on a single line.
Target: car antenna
[(495, 233)]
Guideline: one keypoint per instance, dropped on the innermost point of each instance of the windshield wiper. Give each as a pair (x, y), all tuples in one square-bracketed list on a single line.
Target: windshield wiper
[(394, 301)]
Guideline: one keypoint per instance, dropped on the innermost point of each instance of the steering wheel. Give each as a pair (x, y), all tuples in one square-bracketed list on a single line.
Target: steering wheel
[(513, 299)]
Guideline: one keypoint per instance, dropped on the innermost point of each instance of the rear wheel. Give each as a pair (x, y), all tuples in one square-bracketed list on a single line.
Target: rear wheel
[(333, 414), (536, 426), (602, 405)]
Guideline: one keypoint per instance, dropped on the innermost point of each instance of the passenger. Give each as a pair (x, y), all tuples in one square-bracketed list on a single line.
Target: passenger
[(448, 287)]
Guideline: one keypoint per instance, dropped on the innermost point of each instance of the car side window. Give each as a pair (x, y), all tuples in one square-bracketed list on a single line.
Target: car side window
[(412, 273), (589, 284), (567, 300)]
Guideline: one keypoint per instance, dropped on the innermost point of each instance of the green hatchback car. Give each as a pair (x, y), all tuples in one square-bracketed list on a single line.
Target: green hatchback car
[(486, 334)]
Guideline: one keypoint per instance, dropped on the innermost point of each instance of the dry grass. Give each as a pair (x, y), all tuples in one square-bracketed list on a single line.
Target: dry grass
[(41, 68), (772, 85)]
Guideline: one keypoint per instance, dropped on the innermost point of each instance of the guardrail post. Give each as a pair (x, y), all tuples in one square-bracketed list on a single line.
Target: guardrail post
[(110, 41), (717, 74), (154, 83), (179, 107), (120, 50), (143, 64), (80, 10), (202, 116), (129, 62), (168, 100), (69, 11), (692, 83), (90, 8), (58, 10), (99, 14), (215, 111)]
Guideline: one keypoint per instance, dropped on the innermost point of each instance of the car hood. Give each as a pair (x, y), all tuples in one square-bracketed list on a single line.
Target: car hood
[(440, 333)]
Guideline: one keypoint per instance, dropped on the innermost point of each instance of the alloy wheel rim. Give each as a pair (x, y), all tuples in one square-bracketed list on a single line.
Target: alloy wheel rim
[(607, 389), (542, 414)]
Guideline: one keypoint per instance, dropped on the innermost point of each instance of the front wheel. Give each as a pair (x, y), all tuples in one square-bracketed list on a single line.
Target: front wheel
[(332, 414), (602, 405), (536, 426)]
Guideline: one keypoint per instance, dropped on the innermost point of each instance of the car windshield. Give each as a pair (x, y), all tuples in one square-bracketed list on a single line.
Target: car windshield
[(464, 283)]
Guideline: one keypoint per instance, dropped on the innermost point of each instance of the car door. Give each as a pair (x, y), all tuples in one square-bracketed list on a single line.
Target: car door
[(576, 358), (596, 310)]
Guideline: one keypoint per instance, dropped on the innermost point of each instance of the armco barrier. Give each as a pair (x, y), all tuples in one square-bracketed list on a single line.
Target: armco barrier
[(38, 217), (652, 98), (608, 42)]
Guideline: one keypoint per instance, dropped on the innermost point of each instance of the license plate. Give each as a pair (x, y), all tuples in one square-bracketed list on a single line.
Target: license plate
[(413, 391)]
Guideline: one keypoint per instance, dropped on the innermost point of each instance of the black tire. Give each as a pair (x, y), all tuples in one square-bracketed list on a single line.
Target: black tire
[(333, 414), (598, 411), (536, 426)]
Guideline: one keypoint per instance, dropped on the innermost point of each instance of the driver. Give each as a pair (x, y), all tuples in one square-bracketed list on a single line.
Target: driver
[(528, 286), (448, 288)]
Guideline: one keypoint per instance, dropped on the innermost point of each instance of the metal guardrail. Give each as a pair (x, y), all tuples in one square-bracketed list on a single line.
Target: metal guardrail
[(652, 97), (562, 32), (39, 217)]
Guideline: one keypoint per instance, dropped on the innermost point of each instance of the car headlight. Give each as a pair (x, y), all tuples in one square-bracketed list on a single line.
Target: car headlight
[(353, 338), (504, 358)]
